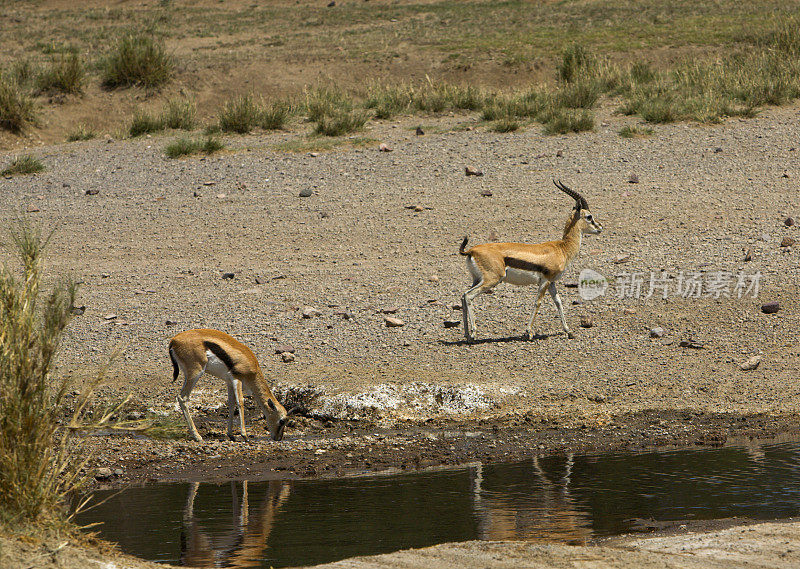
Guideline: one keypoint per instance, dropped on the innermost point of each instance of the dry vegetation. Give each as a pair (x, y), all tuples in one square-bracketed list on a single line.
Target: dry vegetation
[(243, 67)]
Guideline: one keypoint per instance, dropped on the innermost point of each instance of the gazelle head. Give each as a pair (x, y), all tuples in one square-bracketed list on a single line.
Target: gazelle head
[(581, 213), (277, 417)]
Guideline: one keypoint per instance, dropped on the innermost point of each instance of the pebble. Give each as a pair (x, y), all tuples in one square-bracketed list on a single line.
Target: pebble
[(628, 311), (452, 323), (750, 364), (306, 192), (787, 242), (311, 312), (656, 332), (103, 473), (384, 148), (487, 193), (694, 344), (472, 171), (280, 348), (789, 222), (622, 258), (389, 310), (287, 357), (228, 276), (633, 178), (92, 192), (770, 307), (586, 321), (419, 131), (392, 322)]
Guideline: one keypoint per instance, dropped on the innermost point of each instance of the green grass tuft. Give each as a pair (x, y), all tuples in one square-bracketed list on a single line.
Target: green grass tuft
[(240, 115), (187, 146), (341, 122), (66, 74), (562, 121), (635, 132), (25, 164), (179, 114), (82, 132), (137, 60), (17, 110), (144, 123)]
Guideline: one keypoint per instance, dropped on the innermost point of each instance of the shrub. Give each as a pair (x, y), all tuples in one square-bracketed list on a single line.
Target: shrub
[(25, 164), (240, 115), (65, 75), (505, 124), (275, 116), (37, 466), (440, 97), (388, 101), (562, 121), (179, 114), (575, 60), (327, 101), (82, 132), (186, 146), (635, 131), (582, 94), (17, 110), (341, 122), (144, 123), (137, 60)]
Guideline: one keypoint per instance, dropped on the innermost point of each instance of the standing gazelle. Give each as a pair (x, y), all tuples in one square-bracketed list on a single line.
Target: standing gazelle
[(196, 352), (525, 264)]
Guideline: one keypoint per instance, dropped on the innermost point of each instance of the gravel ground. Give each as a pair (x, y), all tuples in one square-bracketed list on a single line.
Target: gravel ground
[(150, 238)]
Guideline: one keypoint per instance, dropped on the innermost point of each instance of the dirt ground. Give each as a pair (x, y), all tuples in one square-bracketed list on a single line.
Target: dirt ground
[(379, 235)]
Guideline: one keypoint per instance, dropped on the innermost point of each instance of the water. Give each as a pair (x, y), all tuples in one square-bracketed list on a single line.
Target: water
[(568, 499)]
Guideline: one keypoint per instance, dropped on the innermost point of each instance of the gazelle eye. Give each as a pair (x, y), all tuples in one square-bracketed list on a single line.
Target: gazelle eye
[(589, 217)]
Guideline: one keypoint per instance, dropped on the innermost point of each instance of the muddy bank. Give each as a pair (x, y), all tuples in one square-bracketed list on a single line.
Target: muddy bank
[(346, 448)]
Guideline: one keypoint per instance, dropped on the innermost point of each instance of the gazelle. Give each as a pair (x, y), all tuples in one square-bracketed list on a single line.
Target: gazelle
[(196, 352), (525, 264)]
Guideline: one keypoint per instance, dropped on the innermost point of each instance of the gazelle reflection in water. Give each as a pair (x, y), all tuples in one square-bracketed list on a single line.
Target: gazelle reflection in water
[(246, 541), (548, 512)]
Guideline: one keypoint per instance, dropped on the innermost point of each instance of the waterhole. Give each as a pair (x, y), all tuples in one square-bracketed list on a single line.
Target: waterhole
[(568, 499)]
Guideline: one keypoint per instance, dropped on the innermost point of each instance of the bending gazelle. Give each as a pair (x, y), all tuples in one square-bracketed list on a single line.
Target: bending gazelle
[(196, 352), (524, 264)]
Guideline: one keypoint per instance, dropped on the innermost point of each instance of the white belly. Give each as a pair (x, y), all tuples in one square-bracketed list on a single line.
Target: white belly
[(521, 278), (217, 367)]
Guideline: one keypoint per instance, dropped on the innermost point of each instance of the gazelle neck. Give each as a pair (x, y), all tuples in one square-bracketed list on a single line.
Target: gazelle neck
[(572, 235)]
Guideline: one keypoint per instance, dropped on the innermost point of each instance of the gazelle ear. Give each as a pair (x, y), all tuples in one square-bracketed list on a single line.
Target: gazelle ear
[(270, 404)]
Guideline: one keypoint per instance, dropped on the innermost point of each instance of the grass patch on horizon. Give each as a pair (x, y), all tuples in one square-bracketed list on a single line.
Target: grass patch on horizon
[(21, 165)]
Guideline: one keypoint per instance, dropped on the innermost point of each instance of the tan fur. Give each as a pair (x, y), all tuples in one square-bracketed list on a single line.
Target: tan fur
[(191, 355), (523, 264)]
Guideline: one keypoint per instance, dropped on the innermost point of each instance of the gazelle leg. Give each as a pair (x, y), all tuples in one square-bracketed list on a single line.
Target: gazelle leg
[(560, 308), (539, 296), (466, 305), (183, 401), (235, 403)]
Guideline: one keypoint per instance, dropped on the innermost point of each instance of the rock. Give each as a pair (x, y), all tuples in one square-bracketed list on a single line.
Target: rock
[(750, 364), (306, 193), (419, 131), (452, 323), (170, 323), (493, 236), (596, 398), (748, 256), (559, 154), (332, 3), (32, 209), (786, 175), (770, 307), (311, 312), (765, 237), (690, 343), (77, 310), (118, 472), (384, 148), (287, 357), (222, 196), (718, 150), (586, 321), (628, 311), (486, 193), (622, 258), (281, 348), (472, 171), (92, 192), (103, 473), (787, 242), (418, 208), (656, 332), (392, 322), (789, 222), (633, 178), (110, 317), (228, 276), (388, 310), (433, 279)]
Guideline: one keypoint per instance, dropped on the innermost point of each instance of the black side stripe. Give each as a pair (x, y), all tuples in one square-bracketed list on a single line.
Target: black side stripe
[(524, 265), (217, 350)]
